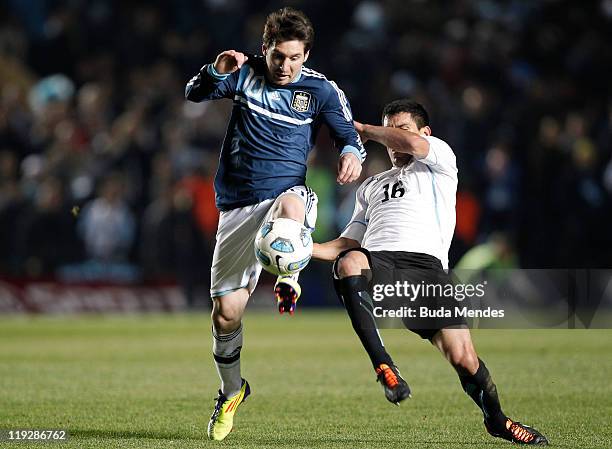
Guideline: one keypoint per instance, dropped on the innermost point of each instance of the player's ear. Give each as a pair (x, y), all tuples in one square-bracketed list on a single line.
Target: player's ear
[(425, 131), (306, 55), (264, 49)]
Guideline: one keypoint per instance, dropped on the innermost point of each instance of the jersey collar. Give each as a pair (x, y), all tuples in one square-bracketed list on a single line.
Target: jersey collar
[(297, 77)]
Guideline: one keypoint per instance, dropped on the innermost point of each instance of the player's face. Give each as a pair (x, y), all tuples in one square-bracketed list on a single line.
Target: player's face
[(284, 61), (403, 120)]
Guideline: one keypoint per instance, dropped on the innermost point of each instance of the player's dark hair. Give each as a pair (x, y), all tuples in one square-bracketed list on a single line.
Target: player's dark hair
[(416, 111), (288, 24)]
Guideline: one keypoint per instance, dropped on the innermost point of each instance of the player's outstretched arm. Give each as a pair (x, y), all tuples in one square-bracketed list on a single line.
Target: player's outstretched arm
[(216, 80), (328, 251), (399, 139), (336, 113)]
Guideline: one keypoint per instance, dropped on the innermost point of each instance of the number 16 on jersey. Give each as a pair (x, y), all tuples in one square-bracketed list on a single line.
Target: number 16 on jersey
[(397, 191)]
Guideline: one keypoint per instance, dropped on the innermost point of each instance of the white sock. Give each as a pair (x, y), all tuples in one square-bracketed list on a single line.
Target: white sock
[(226, 352)]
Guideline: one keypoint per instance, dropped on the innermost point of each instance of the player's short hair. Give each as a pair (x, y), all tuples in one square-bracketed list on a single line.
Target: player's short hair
[(288, 24), (416, 111)]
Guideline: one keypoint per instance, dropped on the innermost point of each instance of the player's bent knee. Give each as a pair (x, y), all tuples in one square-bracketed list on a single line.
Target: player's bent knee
[(226, 317), (225, 321), (463, 358), (352, 264), (290, 206)]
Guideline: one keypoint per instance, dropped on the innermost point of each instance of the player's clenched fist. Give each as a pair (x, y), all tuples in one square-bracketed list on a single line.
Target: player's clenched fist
[(229, 61), (349, 168)]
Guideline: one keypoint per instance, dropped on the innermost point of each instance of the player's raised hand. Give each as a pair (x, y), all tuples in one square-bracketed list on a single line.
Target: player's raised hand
[(349, 168), (229, 61), (360, 128)]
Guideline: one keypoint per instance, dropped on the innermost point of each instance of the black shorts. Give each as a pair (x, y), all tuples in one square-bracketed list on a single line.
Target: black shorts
[(416, 268)]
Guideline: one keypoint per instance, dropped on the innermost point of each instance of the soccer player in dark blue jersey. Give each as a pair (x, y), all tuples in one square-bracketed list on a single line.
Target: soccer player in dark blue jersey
[(279, 106)]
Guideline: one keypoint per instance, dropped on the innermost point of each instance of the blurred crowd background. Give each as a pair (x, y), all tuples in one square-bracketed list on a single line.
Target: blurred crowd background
[(106, 171)]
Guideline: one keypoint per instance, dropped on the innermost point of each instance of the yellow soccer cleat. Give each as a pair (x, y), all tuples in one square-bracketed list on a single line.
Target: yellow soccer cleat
[(287, 292), (222, 420)]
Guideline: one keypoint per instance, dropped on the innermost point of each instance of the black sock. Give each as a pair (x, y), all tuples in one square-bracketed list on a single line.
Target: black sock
[(353, 292), (482, 390)]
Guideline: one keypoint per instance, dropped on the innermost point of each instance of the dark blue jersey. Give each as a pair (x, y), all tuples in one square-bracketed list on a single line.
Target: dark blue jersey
[(272, 129)]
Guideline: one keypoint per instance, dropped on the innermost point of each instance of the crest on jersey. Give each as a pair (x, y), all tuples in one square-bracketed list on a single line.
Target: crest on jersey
[(300, 101)]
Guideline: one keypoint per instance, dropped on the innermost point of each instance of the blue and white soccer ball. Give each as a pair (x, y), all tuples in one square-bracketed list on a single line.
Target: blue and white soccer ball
[(283, 246)]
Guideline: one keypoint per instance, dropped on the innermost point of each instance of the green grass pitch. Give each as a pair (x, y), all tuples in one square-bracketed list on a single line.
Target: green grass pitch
[(149, 381)]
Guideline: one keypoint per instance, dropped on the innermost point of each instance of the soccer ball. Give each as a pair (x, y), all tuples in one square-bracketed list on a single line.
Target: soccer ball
[(283, 246)]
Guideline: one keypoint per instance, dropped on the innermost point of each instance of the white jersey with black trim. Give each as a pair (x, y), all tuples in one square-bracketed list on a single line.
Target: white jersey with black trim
[(410, 208)]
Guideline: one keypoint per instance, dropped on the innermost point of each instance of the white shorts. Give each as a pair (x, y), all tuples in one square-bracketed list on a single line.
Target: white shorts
[(234, 264)]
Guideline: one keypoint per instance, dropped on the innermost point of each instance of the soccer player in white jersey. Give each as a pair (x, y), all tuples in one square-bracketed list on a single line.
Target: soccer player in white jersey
[(279, 105), (404, 219)]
